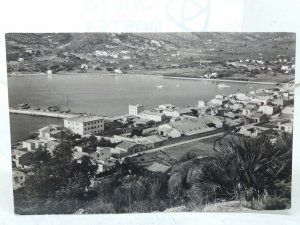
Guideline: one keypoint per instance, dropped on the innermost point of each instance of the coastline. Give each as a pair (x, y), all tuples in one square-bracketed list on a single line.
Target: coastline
[(146, 75), (219, 80)]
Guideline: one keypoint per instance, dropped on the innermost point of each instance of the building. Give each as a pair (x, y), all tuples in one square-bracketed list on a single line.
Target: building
[(218, 101), (288, 110), (18, 179), (258, 117), (158, 168), (32, 145), (286, 126), (202, 103), (166, 106), (155, 140), (85, 124), (184, 127), (134, 110), (171, 113), (101, 155), (128, 148), (51, 131), (251, 131), (151, 115), (241, 96), (269, 110)]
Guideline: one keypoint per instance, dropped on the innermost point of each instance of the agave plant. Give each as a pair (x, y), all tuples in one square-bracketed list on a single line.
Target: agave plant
[(255, 164)]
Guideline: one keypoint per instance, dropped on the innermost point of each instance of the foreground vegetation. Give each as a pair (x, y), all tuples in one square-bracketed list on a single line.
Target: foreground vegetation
[(256, 172)]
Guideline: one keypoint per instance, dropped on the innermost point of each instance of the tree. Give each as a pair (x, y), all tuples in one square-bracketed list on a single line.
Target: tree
[(251, 166)]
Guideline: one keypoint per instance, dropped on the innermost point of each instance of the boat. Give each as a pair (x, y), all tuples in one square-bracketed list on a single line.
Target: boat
[(160, 86), (223, 86), (23, 106), (178, 85)]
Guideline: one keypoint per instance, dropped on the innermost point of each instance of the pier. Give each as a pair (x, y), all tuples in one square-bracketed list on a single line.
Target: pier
[(33, 112)]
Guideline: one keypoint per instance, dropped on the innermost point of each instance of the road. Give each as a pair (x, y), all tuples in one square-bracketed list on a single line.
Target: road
[(172, 145)]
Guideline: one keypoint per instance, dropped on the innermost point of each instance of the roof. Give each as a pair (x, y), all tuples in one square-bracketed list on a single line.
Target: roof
[(17, 172), (126, 145), (157, 167), (153, 138), (82, 119), (152, 113), (187, 126)]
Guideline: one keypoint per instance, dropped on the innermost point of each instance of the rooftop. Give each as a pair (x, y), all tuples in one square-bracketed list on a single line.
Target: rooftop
[(126, 145), (82, 119), (157, 167)]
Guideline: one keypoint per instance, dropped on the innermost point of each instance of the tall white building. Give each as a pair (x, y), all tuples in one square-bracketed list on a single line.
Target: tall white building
[(85, 124), (134, 110), (202, 103)]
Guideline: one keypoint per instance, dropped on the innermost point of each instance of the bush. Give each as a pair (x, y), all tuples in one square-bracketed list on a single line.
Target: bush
[(249, 167)]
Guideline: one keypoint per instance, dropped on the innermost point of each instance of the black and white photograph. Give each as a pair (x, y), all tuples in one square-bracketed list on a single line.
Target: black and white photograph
[(110, 123)]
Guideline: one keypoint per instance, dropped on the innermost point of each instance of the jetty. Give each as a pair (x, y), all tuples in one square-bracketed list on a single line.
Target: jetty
[(33, 112)]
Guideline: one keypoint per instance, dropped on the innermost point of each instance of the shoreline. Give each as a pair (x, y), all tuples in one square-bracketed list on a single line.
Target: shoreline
[(220, 80), (145, 75)]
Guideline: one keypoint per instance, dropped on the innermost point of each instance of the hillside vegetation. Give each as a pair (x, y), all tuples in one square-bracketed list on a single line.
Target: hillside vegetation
[(164, 53)]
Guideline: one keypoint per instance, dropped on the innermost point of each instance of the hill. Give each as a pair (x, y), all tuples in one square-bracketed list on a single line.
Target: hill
[(130, 52)]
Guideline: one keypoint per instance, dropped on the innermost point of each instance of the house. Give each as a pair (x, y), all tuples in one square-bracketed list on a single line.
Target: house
[(202, 103), (218, 101), (134, 110), (212, 121), (237, 106), (241, 96), (249, 108), (166, 106), (18, 179), (183, 127), (171, 112), (78, 154), (286, 126), (101, 155), (230, 114), (16, 154), (118, 71), (51, 131), (250, 130), (151, 115), (288, 110), (85, 124), (32, 145), (128, 148), (269, 110), (258, 117), (158, 168), (154, 139)]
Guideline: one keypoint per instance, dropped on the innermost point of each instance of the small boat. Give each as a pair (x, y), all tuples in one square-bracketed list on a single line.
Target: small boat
[(178, 85), (23, 106), (160, 86), (223, 86)]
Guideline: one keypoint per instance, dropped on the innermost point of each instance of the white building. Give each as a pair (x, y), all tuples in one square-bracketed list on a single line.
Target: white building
[(18, 179), (85, 124), (268, 109), (202, 103), (155, 116), (101, 155), (166, 106), (134, 110)]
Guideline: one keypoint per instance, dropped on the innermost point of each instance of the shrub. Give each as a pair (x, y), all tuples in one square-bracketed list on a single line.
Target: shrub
[(248, 167)]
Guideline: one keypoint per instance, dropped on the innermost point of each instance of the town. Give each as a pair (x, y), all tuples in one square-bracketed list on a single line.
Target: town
[(144, 136)]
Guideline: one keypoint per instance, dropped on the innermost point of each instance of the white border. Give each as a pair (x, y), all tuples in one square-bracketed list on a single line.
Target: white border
[(144, 16)]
